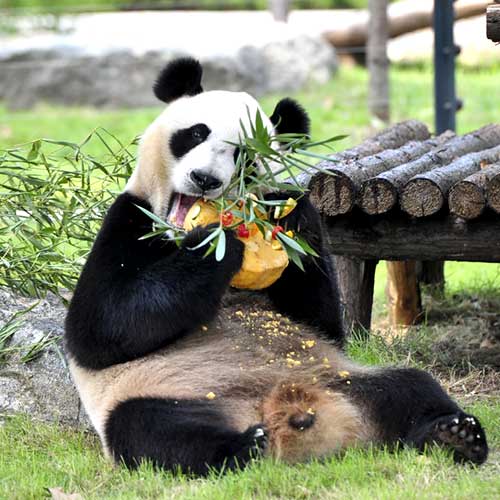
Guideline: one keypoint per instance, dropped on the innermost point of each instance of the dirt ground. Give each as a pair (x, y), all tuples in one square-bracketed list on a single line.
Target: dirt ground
[(458, 339)]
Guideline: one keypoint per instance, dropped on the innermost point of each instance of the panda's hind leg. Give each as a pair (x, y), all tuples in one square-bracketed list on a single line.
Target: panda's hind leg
[(188, 435), (409, 406)]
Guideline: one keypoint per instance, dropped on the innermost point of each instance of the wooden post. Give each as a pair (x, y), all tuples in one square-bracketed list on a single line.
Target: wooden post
[(377, 60), (446, 104), (493, 23), (356, 280), (279, 9), (402, 292), (402, 288)]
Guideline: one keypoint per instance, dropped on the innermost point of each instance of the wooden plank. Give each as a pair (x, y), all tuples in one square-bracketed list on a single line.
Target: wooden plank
[(493, 23), (333, 194), (426, 194), (401, 237), (383, 190), (467, 198)]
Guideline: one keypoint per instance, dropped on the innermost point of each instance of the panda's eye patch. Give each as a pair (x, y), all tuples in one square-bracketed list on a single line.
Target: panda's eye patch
[(182, 141)]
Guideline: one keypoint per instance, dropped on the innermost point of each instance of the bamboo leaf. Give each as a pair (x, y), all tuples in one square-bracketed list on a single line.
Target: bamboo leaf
[(291, 243), (221, 247), (208, 239)]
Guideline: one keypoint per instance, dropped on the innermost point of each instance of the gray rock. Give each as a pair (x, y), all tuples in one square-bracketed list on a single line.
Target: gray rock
[(41, 388), (62, 75)]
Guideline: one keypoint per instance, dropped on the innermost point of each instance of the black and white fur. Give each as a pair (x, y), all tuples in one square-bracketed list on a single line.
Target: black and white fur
[(173, 367)]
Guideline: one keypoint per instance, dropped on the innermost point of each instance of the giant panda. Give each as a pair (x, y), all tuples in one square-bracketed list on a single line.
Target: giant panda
[(174, 367)]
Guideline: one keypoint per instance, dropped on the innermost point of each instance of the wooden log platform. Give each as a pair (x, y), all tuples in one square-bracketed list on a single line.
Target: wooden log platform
[(468, 197), (493, 189), (380, 194), (404, 197), (425, 194)]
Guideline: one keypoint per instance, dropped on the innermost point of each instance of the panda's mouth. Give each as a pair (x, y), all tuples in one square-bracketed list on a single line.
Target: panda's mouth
[(179, 207)]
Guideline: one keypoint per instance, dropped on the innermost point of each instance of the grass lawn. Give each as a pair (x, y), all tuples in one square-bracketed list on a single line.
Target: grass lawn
[(36, 456)]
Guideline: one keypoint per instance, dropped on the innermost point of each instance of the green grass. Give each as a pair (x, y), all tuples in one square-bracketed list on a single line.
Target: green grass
[(62, 6), (338, 107), (36, 456)]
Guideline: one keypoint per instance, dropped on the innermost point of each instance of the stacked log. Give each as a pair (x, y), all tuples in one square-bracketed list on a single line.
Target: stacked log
[(468, 197), (380, 194), (335, 194), (425, 194), (493, 188)]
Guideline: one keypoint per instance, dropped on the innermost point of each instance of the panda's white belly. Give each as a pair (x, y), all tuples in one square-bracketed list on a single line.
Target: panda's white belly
[(236, 361)]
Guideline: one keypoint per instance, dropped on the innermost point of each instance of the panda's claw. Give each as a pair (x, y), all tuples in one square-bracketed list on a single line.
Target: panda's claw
[(251, 446), (465, 435)]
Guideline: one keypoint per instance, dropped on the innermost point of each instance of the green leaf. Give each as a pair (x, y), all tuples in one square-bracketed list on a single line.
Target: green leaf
[(35, 148), (295, 258), (291, 243), (308, 248), (152, 216), (208, 239), (211, 249), (221, 247)]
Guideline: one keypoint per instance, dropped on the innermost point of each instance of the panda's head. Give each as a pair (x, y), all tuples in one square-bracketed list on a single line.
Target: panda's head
[(186, 153)]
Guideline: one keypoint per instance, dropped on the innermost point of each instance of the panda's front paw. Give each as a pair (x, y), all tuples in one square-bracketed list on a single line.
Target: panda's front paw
[(250, 445), (195, 237), (303, 218), (233, 256), (464, 434)]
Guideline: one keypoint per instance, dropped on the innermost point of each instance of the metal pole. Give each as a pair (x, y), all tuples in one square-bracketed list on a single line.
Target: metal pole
[(445, 104)]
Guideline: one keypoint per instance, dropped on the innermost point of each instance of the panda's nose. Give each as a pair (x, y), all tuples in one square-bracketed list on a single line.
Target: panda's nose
[(205, 182)]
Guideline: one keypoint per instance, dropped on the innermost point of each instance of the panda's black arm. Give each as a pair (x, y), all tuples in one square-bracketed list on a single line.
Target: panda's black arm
[(311, 295), (135, 296)]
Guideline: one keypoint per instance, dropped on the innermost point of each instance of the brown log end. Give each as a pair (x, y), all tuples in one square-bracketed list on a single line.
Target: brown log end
[(332, 194), (493, 193), (467, 200), (377, 196), (421, 197)]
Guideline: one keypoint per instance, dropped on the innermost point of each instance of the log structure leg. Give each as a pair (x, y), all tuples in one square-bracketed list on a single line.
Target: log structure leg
[(431, 274), (403, 293), (356, 279)]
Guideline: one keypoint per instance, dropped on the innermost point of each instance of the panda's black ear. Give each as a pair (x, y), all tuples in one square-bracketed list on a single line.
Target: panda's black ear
[(178, 78), (289, 117)]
